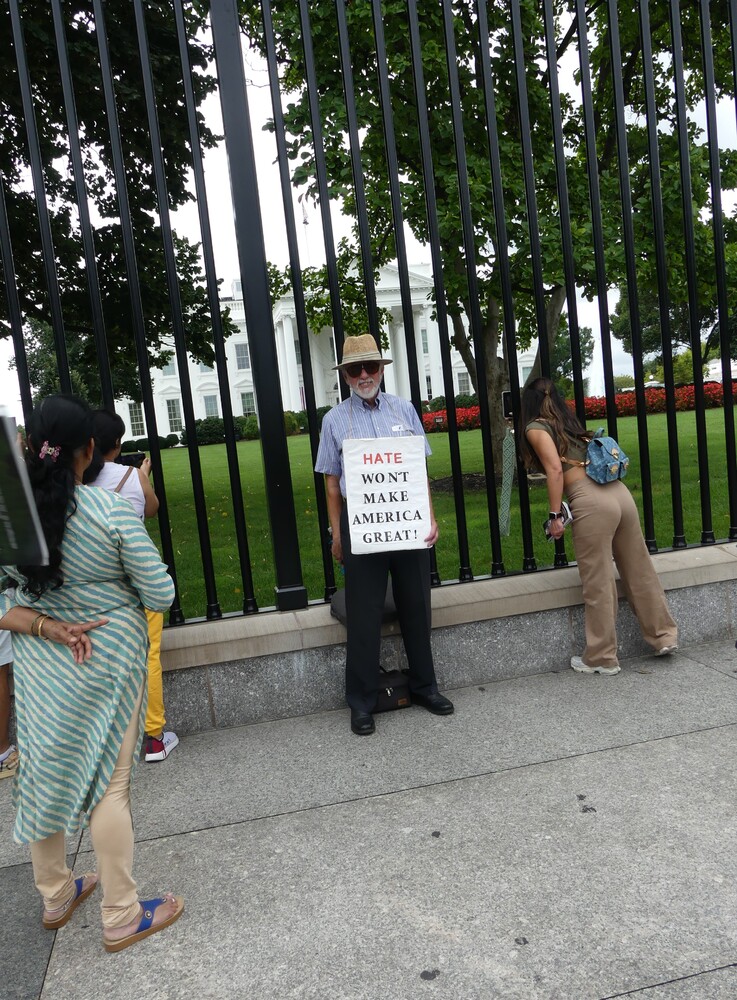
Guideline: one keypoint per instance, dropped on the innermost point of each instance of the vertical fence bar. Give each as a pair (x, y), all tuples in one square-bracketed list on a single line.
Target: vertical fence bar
[(707, 532), (733, 40), (290, 590), (390, 145), (85, 224), (719, 260), (661, 267), (465, 572), (564, 207), (569, 266), (628, 233), (502, 249), (176, 616), (175, 304), (357, 168), (15, 316), (241, 532), (528, 172), (469, 246), (321, 177), (299, 299), (592, 166), (39, 192)]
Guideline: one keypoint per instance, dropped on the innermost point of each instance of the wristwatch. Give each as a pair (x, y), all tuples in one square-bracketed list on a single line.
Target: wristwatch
[(554, 516)]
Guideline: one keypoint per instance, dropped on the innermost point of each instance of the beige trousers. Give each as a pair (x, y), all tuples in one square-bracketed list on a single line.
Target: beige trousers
[(111, 829), (606, 525)]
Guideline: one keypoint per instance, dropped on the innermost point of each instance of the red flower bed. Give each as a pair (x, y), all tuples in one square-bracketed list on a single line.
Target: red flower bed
[(655, 401), (468, 418)]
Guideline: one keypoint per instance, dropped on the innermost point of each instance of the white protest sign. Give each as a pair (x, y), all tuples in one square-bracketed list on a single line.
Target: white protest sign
[(386, 493)]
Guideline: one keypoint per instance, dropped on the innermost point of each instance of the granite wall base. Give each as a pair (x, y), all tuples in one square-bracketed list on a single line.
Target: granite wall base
[(301, 682)]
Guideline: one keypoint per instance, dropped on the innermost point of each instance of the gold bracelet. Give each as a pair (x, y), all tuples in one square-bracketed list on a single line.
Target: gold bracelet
[(40, 632), (34, 622)]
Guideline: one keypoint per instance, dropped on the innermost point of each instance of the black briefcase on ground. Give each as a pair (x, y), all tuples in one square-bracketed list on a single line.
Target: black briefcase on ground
[(393, 690)]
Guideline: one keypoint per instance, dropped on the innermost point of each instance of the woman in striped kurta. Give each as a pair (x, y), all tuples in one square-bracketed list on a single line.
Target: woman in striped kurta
[(80, 699)]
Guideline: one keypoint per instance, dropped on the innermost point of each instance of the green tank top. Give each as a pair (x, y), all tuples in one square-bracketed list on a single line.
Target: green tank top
[(577, 452)]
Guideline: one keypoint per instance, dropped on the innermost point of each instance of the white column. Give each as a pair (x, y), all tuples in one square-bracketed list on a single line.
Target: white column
[(397, 381), (421, 366), (318, 378), (434, 355), (290, 391), (283, 363)]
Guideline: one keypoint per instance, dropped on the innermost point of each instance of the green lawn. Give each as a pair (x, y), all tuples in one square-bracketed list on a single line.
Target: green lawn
[(222, 533)]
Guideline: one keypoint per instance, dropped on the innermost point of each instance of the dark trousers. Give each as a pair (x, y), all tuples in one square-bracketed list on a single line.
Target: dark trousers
[(366, 577)]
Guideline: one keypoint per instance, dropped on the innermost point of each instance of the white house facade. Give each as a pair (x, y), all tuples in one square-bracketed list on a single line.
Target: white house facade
[(206, 397)]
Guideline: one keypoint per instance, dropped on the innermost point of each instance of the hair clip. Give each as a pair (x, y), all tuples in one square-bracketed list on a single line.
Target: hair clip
[(52, 450)]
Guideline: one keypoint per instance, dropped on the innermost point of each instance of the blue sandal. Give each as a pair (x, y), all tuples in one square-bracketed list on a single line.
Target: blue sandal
[(80, 894), (146, 925)]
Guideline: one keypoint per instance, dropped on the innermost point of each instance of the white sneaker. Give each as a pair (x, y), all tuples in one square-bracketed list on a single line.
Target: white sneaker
[(159, 749), (666, 650), (583, 668)]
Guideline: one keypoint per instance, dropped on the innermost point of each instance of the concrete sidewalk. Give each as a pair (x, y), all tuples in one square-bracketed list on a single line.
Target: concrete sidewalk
[(559, 837)]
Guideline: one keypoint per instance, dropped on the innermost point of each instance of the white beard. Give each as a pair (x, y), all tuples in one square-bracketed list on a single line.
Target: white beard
[(369, 390)]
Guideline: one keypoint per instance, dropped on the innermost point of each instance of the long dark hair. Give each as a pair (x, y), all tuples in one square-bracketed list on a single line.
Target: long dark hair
[(107, 429), (58, 427), (542, 401)]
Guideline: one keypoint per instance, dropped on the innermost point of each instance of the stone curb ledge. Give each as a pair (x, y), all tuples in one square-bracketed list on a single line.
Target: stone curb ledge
[(273, 633)]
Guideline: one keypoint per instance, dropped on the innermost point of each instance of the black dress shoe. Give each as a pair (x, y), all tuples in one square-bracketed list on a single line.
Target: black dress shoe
[(438, 704), (362, 723)]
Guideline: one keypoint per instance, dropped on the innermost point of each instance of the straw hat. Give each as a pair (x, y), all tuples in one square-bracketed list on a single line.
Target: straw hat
[(361, 348)]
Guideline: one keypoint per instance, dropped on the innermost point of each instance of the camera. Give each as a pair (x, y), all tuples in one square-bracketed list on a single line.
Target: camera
[(507, 411), (132, 458)]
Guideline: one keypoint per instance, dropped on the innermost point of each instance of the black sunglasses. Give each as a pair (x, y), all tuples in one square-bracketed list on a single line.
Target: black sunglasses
[(370, 367)]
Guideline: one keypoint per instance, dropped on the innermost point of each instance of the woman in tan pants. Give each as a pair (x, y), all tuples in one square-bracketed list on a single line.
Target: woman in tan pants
[(606, 531)]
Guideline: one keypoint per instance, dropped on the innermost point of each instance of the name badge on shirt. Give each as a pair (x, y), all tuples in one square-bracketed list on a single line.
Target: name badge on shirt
[(398, 428)]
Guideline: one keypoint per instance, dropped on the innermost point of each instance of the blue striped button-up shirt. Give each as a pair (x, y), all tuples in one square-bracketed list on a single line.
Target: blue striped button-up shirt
[(354, 418)]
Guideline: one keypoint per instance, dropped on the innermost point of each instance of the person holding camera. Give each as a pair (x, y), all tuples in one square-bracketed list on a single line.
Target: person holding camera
[(135, 485), (605, 526)]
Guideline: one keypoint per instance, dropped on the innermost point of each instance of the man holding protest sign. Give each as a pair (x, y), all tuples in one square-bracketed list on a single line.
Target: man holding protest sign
[(372, 452)]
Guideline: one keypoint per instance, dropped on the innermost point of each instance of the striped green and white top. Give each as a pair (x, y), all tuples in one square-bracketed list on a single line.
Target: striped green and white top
[(71, 718)]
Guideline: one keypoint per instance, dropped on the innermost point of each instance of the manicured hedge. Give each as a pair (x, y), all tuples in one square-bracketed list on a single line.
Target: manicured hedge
[(142, 444), (468, 418)]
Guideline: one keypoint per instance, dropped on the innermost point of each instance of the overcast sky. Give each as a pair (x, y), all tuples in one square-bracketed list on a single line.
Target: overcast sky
[(310, 236)]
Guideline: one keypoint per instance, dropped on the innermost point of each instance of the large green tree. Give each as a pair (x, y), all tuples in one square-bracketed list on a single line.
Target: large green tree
[(679, 324), (93, 125), (288, 31)]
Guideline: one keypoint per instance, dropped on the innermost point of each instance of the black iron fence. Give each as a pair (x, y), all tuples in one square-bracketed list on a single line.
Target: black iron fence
[(543, 152)]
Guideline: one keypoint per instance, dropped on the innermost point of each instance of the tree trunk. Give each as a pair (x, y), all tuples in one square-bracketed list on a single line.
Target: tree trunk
[(497, 376), (496, 373), (553, 312)]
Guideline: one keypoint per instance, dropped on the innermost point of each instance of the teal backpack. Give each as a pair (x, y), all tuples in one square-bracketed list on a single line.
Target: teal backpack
[(606, 461)]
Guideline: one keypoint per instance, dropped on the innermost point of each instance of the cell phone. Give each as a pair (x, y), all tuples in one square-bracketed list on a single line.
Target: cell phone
[(565, 520), (131, 458), (507, 404)]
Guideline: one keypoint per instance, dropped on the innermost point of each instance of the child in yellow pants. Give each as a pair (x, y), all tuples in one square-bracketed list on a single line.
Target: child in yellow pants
[(157, 743)]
